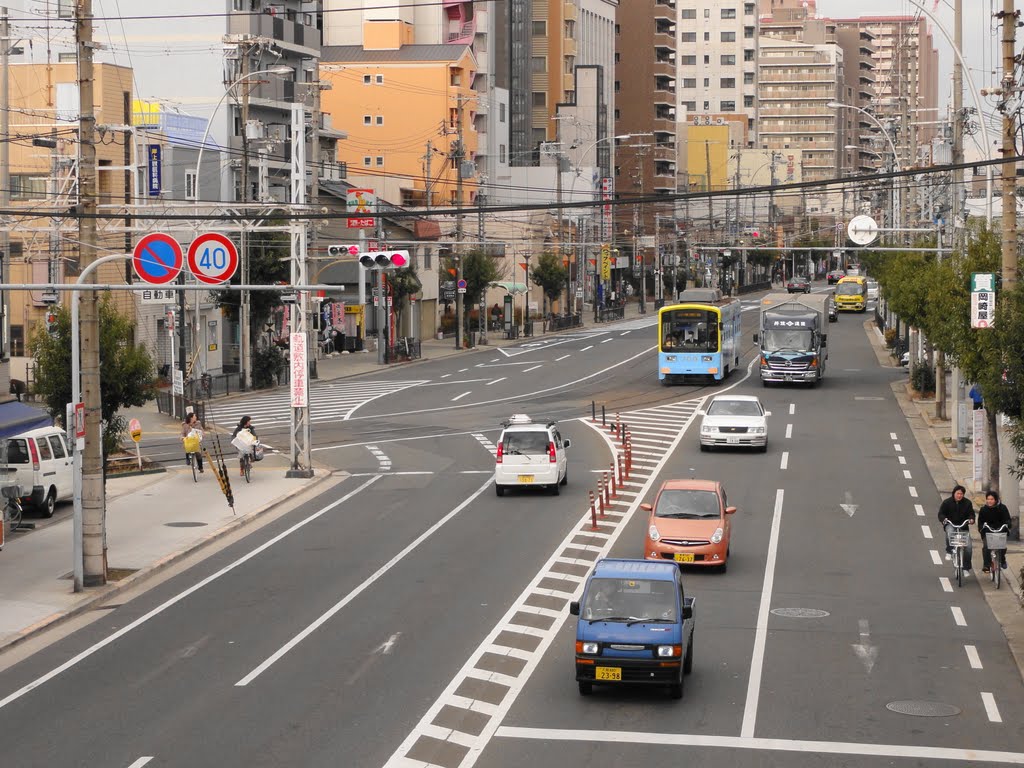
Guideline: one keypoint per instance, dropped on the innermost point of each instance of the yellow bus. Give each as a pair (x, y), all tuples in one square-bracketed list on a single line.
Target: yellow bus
[(852, 294)]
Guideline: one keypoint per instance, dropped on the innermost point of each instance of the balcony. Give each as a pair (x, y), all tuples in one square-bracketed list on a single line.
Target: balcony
[(570, 11), (665, 9), (664, 69), (463, 35)]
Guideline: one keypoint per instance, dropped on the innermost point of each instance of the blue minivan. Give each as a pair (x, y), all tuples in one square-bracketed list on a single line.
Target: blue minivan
[(635, 626)]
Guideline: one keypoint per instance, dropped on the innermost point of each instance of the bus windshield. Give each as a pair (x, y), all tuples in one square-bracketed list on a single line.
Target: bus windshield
[(689, 330), (851, 289)]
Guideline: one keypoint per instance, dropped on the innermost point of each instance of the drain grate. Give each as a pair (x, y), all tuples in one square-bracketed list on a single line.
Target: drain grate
[(923, 708), (800, 613), (185, 525)]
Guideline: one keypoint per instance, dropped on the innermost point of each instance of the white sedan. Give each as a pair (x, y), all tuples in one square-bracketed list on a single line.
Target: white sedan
[(738, 421), (872, 290)]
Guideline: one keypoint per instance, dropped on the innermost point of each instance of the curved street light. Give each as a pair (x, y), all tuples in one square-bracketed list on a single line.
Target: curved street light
[(896, 199)]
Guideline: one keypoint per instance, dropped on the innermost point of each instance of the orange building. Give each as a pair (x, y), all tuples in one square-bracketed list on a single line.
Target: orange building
[(400, 105)]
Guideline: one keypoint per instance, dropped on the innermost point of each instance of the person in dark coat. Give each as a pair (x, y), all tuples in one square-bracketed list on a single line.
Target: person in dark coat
[(992, 516), (958, 509)]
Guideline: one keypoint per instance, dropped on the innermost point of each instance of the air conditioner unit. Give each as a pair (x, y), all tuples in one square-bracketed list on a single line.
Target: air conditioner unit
[(254, 129)]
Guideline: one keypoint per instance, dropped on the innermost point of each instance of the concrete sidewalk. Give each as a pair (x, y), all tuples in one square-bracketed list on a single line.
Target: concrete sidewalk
[(154, 520)]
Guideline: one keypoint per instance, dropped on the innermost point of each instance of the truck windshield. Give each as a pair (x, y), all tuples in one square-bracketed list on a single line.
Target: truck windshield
[(628, 600), (850, 289), (791, 338)]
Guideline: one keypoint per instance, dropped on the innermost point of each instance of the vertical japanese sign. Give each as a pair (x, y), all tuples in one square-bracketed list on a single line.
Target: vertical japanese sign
[(299, 385), (606, 263), (978, 444), (607, 192), (983, 300), (154, 169)]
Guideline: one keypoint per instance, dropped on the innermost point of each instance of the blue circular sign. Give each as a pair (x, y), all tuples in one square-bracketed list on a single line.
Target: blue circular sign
[(462, 283), (157, 258)]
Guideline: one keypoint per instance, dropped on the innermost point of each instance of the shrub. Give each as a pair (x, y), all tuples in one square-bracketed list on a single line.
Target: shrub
[(922, 379), (890, 337), (267, 366)]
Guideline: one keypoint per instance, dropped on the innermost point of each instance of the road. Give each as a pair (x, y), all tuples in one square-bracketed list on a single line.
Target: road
[(409, 616)]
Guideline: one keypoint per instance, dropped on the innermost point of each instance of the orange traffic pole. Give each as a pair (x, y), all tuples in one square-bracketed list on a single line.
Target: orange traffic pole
[(593, 513), (600, 498), (604, 487), (615, 492), (622, 469)]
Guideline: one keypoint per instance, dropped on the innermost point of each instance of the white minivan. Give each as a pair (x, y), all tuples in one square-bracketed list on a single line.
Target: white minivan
[(530, 453), (39, 462)]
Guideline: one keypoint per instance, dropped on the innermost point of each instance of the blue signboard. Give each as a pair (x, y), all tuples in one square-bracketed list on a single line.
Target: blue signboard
[(154, 169)]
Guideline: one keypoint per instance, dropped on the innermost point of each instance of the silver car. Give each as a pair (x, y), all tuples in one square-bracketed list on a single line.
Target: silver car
[(734, 421)]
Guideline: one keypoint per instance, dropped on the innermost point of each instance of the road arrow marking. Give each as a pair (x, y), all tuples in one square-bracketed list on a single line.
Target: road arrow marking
[(387, 645), (865, 651), (848, 506)]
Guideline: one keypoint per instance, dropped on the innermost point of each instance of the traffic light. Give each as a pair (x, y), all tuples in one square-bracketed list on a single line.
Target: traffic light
[(339, 250), (384, 259), (51, 320)]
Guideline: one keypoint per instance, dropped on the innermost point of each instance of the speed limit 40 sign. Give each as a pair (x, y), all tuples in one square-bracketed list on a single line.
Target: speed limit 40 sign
[(212, 258)]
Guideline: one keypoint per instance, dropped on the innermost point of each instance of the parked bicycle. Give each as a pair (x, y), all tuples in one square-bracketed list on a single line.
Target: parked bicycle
[(959, 540), (12, 507), (995, 539)]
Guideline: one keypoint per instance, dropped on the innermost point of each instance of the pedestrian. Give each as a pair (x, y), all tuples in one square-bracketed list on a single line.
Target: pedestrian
[(244, 425), (975, 395), (958, 509), (993, 516), (339, 339), (189, 426)]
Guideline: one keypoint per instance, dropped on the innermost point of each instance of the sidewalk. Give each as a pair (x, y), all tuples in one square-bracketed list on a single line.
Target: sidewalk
[(948, 468), (155, 520)]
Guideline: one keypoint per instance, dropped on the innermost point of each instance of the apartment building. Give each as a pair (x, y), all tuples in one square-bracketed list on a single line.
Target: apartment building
[(717, 47), (862, 150)]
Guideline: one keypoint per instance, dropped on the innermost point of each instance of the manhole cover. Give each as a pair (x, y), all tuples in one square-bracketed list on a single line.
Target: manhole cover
[(185, 525), (923, 708), (800, 613)]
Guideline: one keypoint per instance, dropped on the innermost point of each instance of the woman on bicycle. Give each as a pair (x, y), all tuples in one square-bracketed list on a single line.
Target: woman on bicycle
[(993, 516), (244, 424), (957, 509), (191, 423)]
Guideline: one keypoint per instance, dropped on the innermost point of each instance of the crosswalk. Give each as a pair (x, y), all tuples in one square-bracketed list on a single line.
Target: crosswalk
[(329, 401)]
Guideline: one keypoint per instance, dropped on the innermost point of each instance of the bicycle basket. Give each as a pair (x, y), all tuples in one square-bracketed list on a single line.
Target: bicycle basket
[(192, 444), (996, 540), (958, 538), (11, 492)]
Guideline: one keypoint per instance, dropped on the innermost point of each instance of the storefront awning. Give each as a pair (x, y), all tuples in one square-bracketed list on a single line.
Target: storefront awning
[(511, 287), (17, 417)]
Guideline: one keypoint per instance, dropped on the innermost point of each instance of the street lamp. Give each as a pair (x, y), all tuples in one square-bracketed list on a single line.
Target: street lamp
[(245, 306)]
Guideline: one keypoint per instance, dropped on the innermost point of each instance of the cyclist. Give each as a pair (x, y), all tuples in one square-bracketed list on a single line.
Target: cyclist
[(244, 424), (190, 424), (992, 516), (958, 509)]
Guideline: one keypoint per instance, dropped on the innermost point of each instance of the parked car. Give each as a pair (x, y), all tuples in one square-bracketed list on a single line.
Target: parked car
[(734, 421), (530, 453), (40, 464), (689, 523), (872, 289), (835, 276), (798, 284)]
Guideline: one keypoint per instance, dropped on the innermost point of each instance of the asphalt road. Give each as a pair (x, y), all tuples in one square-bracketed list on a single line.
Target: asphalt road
[(408, 615)]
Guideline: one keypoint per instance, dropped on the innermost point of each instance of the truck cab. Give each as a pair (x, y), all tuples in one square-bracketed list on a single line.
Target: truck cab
[(635, 625)]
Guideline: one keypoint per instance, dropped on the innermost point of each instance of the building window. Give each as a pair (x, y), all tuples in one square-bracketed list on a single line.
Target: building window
[(707, 58), (190, 185), (728, 82), (540, 29), (27, 187), (689, 82), (707, 13), (748, 101), (501, 153), (67, 58), (367, 161), (380, 79), (729, 60), (707, 37), (380, 161), (540, 99), (17, 341), (728, 13), (690, 61), (367, 79), (728, 106), (690, 106), (748, 55), (367, 120), (748, 33), (748, 78), (538, 64), (618, 114), (380, 119), (748, 9), (501, 112), (688, 13), (728, 37), (687, 37)]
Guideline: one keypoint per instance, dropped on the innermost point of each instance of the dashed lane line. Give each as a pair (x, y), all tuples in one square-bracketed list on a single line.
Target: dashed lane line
[(936, 557), (947, 586), (973, 657), (958, 616), (990, 708), (926, 531)]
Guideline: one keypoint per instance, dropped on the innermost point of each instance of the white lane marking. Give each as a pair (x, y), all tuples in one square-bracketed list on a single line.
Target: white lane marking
[(892, 435), (607, 340), (459, 397), (898, 447), (792, 408), (623, 333), (913, 491), (785, 459), (560, 359), (936, 557), (958, 616), (534, 368), (761, 634), (140, 762), (382, 458), (902, 459), (926, 531), (586, 348), (495, 381), (445, 376), (919, 510), (180, 596), (463, 370), (789, 431), (910, 751), (946, 585), (906, 474), (973, 657), (362, 587), (990, 707)]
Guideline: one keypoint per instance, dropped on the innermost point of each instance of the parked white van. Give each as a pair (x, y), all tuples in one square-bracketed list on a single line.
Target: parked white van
[(39, 462)]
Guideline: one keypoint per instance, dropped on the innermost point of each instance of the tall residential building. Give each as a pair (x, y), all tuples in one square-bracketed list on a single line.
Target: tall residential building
[(906, 79), (718, 62), (858, 46)]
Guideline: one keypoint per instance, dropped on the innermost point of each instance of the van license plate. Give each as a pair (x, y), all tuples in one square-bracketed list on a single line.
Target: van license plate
[(607, 673), (683, 557), (732, 440), (526, 478)]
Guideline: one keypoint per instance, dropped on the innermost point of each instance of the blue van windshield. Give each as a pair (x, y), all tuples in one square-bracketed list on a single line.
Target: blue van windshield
[(628, 600)]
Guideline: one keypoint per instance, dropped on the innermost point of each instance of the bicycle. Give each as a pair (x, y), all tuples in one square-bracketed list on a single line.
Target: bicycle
[(193, 445), (996, 541), (12, 507), (190, 460), (246, 460), (959, 539)]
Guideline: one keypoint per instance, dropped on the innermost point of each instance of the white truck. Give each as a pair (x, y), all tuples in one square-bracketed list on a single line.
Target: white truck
[(792, 334)]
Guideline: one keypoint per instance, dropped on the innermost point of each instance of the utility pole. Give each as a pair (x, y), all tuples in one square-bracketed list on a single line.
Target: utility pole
[(93, 526), (5, 179), (457, 156), (771, 202), (561, 220), (707, 188), (427, 179), (958, 157), (244, 310)]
